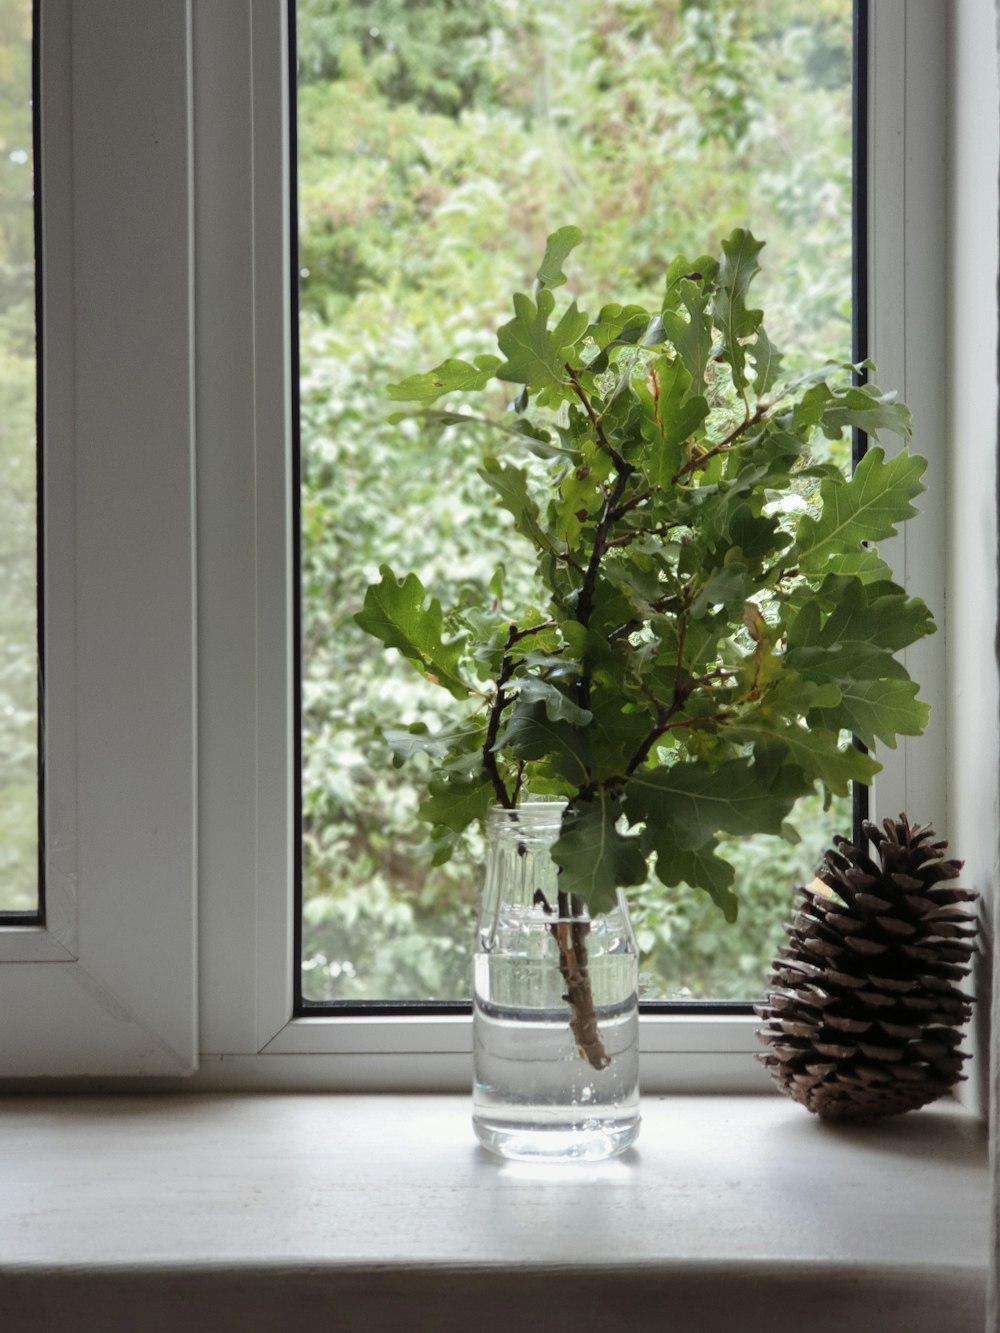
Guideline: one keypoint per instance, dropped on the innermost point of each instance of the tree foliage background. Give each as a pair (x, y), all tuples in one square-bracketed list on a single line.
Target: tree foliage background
[(18, 656), (439, 143)]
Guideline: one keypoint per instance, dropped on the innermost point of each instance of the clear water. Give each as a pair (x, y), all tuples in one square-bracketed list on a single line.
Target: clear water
[(535, 1096)]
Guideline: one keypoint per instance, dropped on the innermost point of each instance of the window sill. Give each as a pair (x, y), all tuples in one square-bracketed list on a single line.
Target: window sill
[(284, 1211)]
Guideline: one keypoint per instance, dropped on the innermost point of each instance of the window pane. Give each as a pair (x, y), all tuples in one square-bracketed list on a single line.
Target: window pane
[(439, 143), (18, 468)]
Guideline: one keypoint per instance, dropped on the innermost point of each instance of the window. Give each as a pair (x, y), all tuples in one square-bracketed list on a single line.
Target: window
[(141, 190), (383, 1050), (106, 983), (436, 149)]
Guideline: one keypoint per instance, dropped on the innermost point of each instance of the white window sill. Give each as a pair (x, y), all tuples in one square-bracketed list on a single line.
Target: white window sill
[(280, 1211)]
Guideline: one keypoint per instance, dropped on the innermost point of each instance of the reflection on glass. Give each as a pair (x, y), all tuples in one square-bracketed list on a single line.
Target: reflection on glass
[(18, 586), (438, 145)]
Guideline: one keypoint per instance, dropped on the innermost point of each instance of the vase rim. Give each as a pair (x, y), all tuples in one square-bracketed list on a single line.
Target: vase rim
[(538, 805), (532, 803)]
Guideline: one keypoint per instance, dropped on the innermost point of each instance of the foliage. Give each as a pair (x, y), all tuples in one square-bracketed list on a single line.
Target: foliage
[(705, 620), (416, 221), (614, 114), (18, 585), (425, 194), (688, 955), (434, 56)]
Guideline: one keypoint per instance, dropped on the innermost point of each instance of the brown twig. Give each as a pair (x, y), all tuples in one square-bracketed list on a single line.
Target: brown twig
[(632, 503), (700, 460), (654, 735), (619, 461), (514, 636), (681, 639), (585, 600), (570, 933)]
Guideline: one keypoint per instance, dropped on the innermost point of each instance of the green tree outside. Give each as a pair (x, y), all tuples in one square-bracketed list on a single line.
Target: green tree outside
[(18, 582), (439, 145)]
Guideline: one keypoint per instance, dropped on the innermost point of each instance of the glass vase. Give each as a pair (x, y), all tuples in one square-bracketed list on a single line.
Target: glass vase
[(555, 1005)]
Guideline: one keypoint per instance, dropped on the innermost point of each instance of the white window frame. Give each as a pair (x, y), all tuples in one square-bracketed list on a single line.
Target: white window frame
[(207, 305), (256, 1036), (108, 984)]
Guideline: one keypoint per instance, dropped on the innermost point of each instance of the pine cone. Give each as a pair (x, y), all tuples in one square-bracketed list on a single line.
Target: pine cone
[(864, 1017)]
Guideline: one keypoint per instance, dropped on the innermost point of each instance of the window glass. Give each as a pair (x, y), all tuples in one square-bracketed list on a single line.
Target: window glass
[(438, 144), (18, 470)]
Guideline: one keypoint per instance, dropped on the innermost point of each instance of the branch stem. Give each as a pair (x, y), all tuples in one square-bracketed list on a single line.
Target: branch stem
[(700, 460), (500, 700), (570, 933), (581, 393)]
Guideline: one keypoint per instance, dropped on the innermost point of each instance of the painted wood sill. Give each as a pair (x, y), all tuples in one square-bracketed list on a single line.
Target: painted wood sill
[(288, 1211)]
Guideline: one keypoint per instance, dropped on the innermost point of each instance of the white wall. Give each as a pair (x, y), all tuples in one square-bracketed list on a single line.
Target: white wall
[(972, 347)]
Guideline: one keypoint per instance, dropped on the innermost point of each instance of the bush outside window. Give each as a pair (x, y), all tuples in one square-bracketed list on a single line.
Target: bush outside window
[(438, 146)]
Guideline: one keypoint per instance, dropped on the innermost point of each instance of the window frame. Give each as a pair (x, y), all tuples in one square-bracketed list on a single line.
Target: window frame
[(218, 224), (708, 1051), (106, 984)]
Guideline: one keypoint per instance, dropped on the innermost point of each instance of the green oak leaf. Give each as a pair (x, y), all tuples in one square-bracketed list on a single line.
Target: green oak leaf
[(698, 801), (637, 579), (866, 565), (681, 269), (808, 410), (537, 356), (558, 706), (582, 494), (755, 537), (727, 586), (730, 313), (691, 338), (865, 508), (766, 363), (718, 506), (778, 451), (531, 735), (872, 616), (536, 440), (672, 414), (511, 484), (589, 648), (621, 414), (613, 734), (446, 378), (867, 408), (621, 326), (397, 612), (594, 858), (417, 739), (791, 697), (867, 625), (697, 867), (817, 752), (618, 325), (456, 802), (557, 247), (877, 710), (610, 321), (860, 661)]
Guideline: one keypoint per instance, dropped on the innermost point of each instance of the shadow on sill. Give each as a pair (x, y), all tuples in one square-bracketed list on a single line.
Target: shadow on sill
[(939, 1135)]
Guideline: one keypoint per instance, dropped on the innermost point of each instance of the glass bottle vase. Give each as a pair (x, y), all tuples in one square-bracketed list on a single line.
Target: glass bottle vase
[(555, 1005)]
